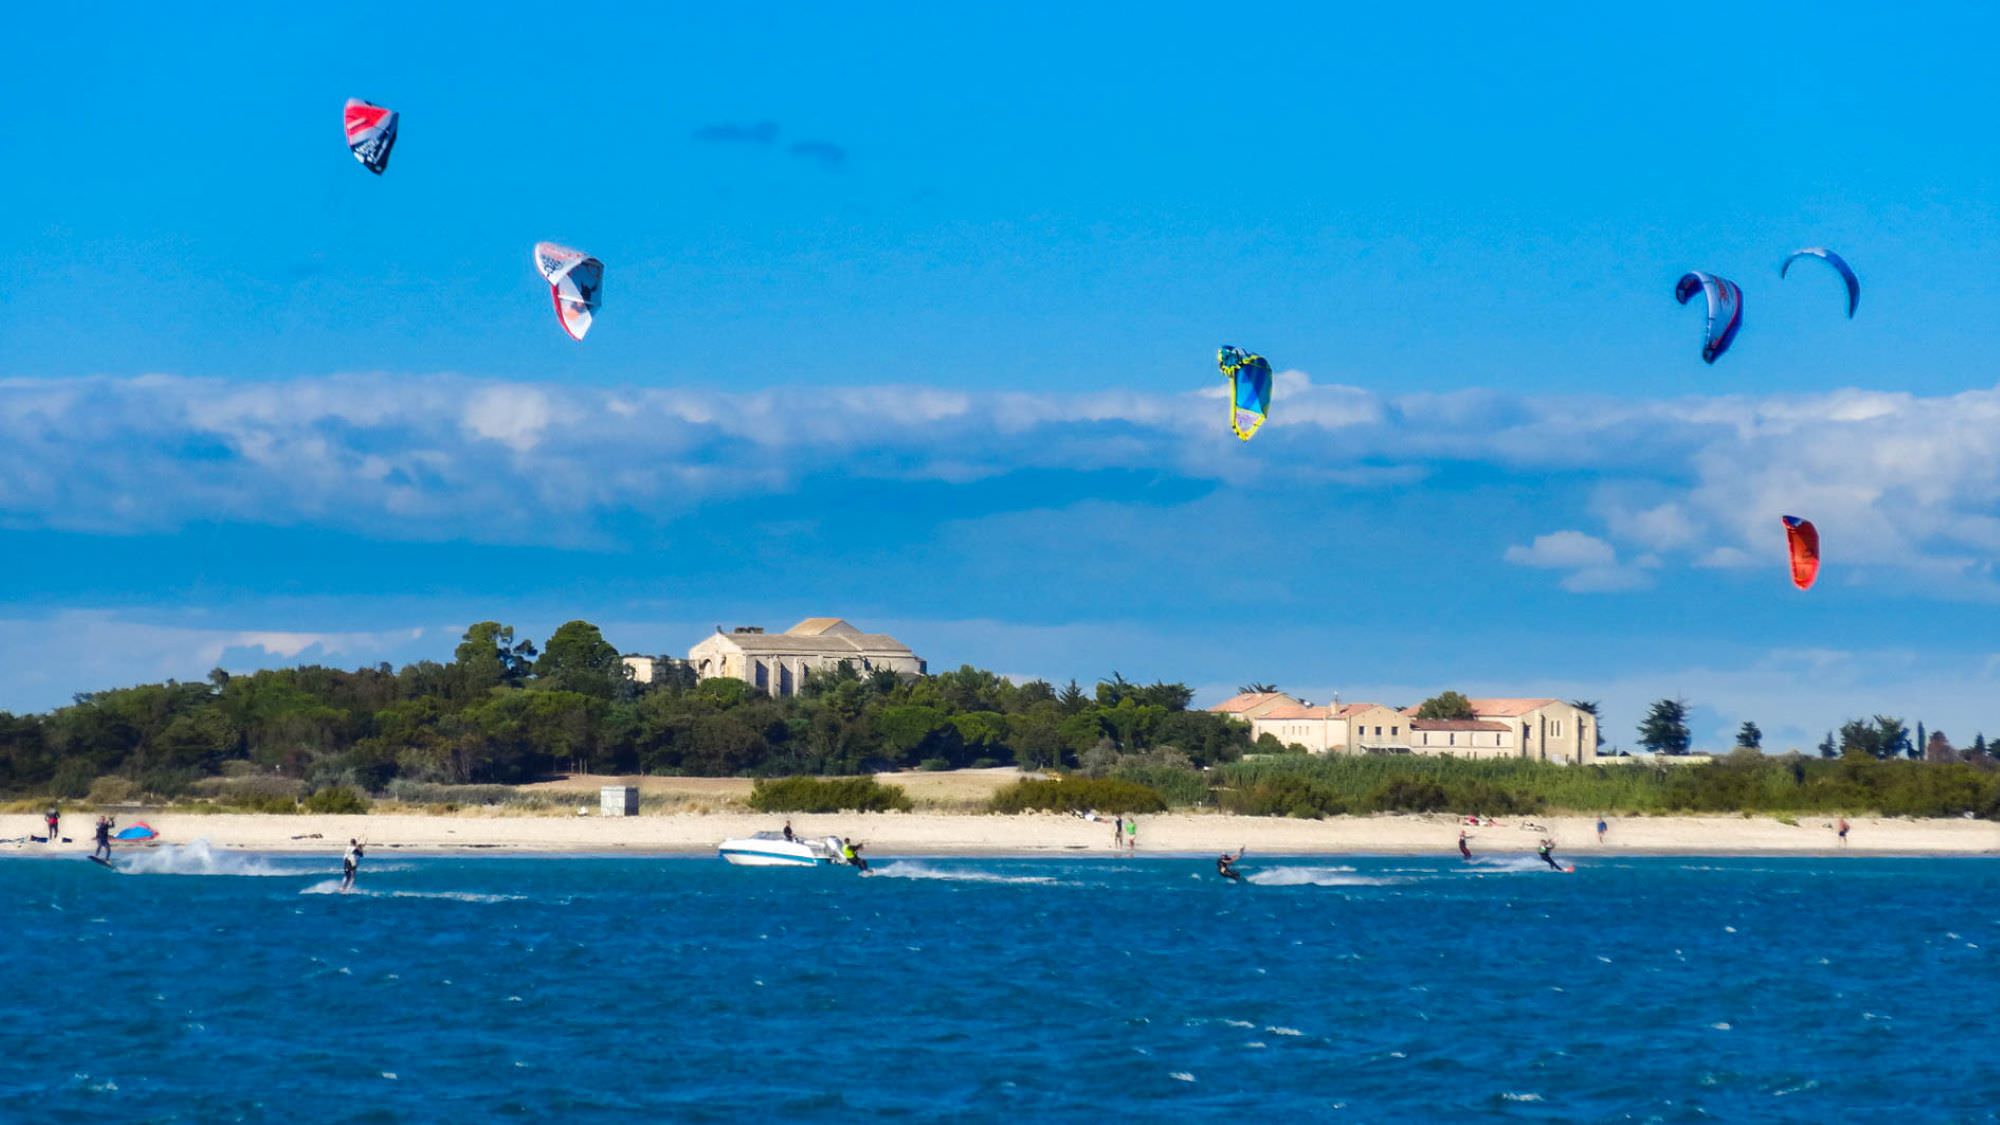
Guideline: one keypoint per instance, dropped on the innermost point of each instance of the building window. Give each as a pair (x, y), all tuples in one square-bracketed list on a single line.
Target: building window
[(763, 677), (784, 679), (1451, 740), (1393, 731)]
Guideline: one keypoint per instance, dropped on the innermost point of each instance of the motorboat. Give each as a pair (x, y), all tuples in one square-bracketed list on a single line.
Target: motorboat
[(772, 849)]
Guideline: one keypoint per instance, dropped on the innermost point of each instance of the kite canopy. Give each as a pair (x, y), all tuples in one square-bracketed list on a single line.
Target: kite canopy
[(136, 833), (1725, 310), (576, 282), (1838, 263), (1249, 376), (1803, 539), (371, 133)]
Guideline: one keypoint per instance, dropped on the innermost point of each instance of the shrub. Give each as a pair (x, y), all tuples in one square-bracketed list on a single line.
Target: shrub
[(114, 791), (1284, 795), (827, 795), (1409, 794), (1181, 787), (1078, 794), (337, 799), (72, 779)]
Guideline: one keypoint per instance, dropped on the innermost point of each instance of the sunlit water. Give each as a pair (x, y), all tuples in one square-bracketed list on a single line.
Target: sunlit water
[(205, 987)]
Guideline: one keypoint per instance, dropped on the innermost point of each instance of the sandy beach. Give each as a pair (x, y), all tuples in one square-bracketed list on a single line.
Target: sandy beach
[(888, 834)]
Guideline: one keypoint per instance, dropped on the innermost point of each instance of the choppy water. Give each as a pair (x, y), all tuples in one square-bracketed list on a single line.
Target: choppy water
[(228, 987)]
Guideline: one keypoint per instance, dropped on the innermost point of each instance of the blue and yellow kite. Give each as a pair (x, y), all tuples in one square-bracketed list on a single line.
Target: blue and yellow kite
[(1249, 376)]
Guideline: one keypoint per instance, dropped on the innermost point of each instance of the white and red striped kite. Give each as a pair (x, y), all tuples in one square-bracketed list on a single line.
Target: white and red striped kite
[(576, 284), (371, 133)]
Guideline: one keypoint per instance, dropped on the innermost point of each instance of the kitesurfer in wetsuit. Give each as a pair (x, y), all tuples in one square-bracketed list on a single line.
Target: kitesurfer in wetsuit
[(103, 848), (1225, 865), (851, 852), (1464, 845), (349, 863), (1544, 851)]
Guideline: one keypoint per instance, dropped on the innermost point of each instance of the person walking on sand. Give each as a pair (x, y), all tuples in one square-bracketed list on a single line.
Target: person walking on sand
[(1840, 829), (1131, 834), (1464, 845), (350, 863), (54, 821), (1601, 826)]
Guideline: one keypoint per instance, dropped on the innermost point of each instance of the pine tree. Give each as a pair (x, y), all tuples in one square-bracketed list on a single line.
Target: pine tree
[(1665, 730), (1749, 737)]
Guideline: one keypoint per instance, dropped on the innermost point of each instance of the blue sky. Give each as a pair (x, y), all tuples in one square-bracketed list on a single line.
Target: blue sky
[(910, 315)]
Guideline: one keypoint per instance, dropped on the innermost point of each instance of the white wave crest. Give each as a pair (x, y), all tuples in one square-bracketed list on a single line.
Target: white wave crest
[(912, 869), (332, 887), (1315, 877)]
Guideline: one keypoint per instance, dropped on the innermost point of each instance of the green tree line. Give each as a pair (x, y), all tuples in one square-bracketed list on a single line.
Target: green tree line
[(503, 711)]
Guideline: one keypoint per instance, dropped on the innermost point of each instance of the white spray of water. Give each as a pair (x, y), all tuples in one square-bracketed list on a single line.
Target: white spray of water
[(198, 858), (1489, 865), (913, 869)]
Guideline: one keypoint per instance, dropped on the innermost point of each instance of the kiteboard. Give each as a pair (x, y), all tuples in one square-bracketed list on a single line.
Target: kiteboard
[(101, 861)]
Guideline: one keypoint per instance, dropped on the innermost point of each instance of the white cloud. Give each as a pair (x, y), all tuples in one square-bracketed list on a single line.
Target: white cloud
[(1592, 562), (1902, 487), (44, 660), (1564, 550), (513, 416)]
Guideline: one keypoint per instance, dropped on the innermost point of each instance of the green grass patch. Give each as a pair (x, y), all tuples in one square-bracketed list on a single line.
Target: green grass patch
[(827, 795)]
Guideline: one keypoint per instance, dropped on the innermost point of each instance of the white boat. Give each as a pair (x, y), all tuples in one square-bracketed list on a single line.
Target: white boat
[(771, 849)]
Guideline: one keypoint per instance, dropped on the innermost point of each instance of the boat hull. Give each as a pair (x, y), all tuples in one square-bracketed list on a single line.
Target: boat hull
[(766, 859), (769, 849)]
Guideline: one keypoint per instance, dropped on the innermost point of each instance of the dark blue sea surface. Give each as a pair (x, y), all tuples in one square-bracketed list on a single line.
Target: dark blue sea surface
[(195, 987)]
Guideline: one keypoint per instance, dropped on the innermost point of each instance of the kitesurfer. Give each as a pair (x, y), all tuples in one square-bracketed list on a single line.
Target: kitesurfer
[(851, 852), (1225, 865), (1464, 845), (103, 848), (349, 863), (1546, 850)]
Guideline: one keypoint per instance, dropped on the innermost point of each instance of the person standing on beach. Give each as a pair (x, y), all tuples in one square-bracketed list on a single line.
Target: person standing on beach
[(350, 863), (1464, 845), (54, 821), (1131, 833), (1117, 832), (1601, 826), (1840, 828)]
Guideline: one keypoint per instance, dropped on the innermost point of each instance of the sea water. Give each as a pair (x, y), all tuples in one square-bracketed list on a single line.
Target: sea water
[(197, 986)]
